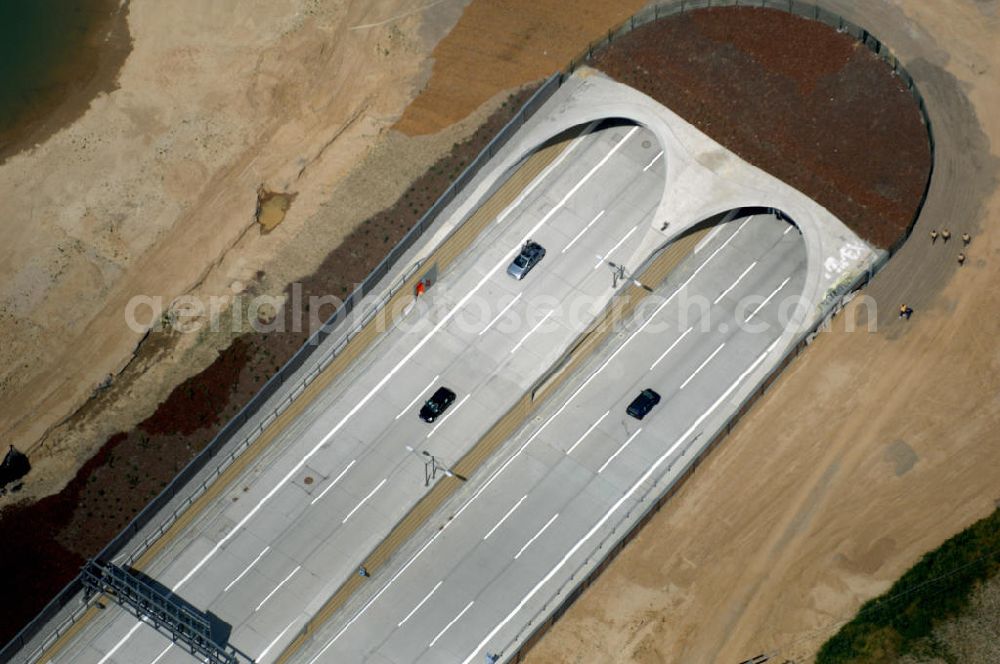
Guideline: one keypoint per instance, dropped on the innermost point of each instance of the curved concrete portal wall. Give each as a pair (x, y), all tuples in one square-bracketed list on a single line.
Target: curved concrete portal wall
[(702, 179)]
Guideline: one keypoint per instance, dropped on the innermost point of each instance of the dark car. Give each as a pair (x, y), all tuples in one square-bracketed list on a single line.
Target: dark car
[(437, 404), (531, 253), (643, 403)]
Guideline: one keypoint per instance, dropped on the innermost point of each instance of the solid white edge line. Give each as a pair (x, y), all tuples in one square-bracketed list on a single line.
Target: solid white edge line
[(511, 459), (449, 414), (619, 451), (419, 604), (249, 567), (671, 347), (502, 312), (702, 365), (547, 171), (734, 284), (536, 536), (128, 635), (767, 299), (531, 331), (585, 229), (614, 508), (277, 588), (505, 517), (363, 501), (417, 398), (448, 626), (274, 642), (587, 432), (160, 656), (653, 161), (614, 248), (333, 483)]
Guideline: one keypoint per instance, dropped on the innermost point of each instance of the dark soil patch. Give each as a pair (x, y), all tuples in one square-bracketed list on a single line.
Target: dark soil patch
[(794, 97), (47, 542)]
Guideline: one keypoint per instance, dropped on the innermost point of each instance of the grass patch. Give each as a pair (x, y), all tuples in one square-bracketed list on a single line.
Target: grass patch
[(936, 589)]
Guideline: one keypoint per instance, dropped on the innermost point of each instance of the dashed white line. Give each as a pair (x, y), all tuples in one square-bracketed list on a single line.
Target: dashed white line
[(419, 604), (587, 432), (415, 556), (273, 643), (702, 365), (619, 451), (536, 535), (363, 501), (448, 626), (531, 331), (505, 517), (450, 413), (671, 347), (733, 285), (277, 587), (653, 161), (499, 315), (790, 227), (606, 256), (585, 229), (331, 484), (768, 299), (422, 392), (614, 508), (243, 573)]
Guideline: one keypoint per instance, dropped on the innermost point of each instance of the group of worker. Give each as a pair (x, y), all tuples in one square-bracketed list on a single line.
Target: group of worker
[(945, 235)]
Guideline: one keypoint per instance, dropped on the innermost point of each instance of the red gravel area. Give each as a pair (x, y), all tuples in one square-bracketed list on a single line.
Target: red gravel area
[(46, 542), (794, 97)]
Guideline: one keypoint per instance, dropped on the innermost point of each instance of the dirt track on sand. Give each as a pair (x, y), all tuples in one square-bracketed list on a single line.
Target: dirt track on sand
[(870, 450)]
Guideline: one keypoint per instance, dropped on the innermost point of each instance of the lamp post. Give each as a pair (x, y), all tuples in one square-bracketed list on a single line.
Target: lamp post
[(431, 466), (618, 273)]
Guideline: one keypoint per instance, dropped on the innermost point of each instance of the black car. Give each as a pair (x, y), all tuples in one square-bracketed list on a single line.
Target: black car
[(643, 403), (437, 404), (531, 253)]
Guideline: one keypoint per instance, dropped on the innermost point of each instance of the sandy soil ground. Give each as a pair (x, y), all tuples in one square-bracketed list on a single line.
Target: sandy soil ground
[(870, 450), (153, 191)]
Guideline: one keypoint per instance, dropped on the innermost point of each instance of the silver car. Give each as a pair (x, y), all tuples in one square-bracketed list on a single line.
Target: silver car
[(531, 253)]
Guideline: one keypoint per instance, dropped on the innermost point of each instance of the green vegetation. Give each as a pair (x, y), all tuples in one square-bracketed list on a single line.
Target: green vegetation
[(936, 589)]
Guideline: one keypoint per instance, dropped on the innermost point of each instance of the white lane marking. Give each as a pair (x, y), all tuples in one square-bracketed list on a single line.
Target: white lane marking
[(160, 656), (745, 222), (499, 315), (619, 451), (249, 567), (587, 432), (653, 161), (671, 347), (334, 482), (548, 170), (614, 508), (702, 365), (505, 517), (419, 604), (128, 635), (437, 534), (790, 227), (606, 256), (536, 536), (733, 285), (585, 229), (419, 394), (363, 501), (768, 299), (708, 238), (531, 331), (277, 587), (448, 626), (449, 414), (270, 645)]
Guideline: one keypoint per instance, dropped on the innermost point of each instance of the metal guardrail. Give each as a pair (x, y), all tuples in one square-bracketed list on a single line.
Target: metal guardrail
[(285, 374)]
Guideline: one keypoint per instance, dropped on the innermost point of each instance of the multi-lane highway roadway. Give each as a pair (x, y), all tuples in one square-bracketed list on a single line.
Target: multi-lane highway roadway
[(304, 516)]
